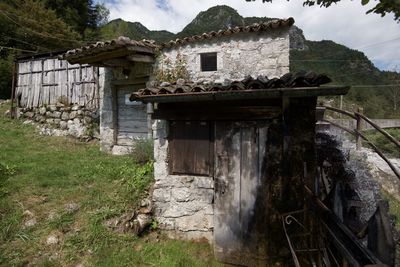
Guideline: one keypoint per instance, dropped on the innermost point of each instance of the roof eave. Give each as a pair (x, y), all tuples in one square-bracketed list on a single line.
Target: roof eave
[(244, 95)]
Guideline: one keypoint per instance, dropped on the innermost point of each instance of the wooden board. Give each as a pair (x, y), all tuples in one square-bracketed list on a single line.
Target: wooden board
[(50, 80), (131, 120), (239, 153), (191, 147)]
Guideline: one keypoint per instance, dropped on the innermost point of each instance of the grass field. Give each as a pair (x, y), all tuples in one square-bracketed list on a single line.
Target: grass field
[(41, 177), (383, 143)]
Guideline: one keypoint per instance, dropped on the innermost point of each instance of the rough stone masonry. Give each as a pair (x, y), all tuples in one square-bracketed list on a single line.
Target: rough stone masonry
[(259, 53), (183, 203)]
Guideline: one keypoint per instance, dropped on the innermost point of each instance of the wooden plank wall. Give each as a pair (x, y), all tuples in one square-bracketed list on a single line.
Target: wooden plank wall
[(50, 80), (132, 120)]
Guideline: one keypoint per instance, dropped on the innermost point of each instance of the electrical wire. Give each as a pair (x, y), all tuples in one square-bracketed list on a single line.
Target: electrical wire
[(382, 42), (17, 49), (24, 42), (35, 32)]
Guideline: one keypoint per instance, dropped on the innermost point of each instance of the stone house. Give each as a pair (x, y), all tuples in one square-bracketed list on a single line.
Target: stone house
[(230, 160), (229, 155), (260, 49)]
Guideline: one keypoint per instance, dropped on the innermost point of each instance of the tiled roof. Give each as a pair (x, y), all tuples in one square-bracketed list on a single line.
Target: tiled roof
[(302, 84), (121, 42), (256, 27), (149, 46), (289, 80)]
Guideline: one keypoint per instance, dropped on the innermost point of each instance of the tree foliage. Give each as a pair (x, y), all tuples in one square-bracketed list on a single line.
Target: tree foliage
[(82, 15), (383, 7), (32, 26)]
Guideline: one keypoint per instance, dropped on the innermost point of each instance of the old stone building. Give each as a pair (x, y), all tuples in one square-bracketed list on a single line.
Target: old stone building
[(230, 160), (234, 55), (260, 49)]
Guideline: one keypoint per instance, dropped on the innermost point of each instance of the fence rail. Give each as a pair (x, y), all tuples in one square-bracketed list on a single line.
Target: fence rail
[(360, 117)]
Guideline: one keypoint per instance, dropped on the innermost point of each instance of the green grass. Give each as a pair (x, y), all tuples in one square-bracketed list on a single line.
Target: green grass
[(43, 174), (383, 143)]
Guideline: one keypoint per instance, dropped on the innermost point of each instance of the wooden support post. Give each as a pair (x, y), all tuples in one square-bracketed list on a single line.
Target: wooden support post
[(359, 129), (13, 109), (150, 111)]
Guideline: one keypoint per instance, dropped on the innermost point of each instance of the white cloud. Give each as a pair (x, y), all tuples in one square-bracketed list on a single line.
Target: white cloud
[(345, 23)]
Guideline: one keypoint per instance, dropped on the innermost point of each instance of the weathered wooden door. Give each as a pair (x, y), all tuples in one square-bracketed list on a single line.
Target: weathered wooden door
[(239, 222), (131, 117)]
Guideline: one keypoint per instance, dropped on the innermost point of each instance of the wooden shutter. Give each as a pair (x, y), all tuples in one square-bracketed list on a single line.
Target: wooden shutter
[(191, 148)]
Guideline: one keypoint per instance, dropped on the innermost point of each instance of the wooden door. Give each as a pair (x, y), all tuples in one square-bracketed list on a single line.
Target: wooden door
[(239, 230), (131, 117)]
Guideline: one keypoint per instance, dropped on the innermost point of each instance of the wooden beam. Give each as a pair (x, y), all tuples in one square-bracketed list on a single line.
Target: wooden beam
[(99, 56), (141, 58), (142, 49), (141, 80), (117, 62)]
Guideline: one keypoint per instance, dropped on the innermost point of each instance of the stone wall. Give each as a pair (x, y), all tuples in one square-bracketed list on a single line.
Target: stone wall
[(259, 53), (106, 113), (60, 119), (183, 204)]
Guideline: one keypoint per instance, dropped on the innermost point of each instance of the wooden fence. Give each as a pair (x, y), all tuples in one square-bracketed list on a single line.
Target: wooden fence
[(360, 119), (46, 81)]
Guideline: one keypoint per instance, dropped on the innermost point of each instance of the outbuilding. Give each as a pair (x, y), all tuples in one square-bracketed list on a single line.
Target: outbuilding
[(231, 160), (230, 54)]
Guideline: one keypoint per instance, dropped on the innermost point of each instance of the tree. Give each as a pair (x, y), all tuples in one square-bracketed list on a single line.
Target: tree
[(84, 16), (394, 91), (382, 8), (27, 26)]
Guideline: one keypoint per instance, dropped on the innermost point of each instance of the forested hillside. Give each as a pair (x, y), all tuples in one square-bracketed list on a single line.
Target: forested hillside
[(351, 67), (64, 24), (344, 65), (34, 26)]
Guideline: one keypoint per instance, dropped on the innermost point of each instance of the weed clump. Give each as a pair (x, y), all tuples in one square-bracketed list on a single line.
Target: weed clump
[(143, 151)]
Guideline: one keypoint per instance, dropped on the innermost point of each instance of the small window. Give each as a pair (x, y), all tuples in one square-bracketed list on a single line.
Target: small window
[(191, 148), (208, 61)]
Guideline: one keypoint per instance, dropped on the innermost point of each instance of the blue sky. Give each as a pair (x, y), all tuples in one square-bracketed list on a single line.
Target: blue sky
[(345, 23)]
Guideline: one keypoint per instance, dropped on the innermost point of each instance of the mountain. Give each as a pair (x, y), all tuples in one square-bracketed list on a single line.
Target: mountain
[(214, 19), (344, 65), (133, 30)]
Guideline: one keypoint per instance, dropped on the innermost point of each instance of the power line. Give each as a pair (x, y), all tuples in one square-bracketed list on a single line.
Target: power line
[(35, 32), (17, 49), (379, 85), (324, 60), (24, 42), (382, 42), (369, 85)]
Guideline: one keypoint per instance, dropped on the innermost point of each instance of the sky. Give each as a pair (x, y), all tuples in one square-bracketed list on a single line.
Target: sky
[(345, 22)]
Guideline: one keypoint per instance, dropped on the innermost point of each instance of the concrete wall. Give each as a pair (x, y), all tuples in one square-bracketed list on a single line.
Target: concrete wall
[(259, 53), (383, 123), (183, 203)]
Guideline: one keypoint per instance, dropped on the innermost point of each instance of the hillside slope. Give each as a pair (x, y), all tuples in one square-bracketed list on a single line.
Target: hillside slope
[(344, 65)]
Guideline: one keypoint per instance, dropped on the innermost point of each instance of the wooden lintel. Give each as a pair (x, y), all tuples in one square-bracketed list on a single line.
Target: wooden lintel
[(141, 49), (98, 58), (141, 80), (141, 58), (117, 62)]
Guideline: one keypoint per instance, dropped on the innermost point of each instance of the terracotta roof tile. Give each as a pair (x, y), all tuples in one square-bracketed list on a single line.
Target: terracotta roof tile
[(108, 46), (289, 80), (256, 27)]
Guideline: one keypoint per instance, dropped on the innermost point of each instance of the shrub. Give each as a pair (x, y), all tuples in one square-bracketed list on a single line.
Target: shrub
[(143, 151)]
